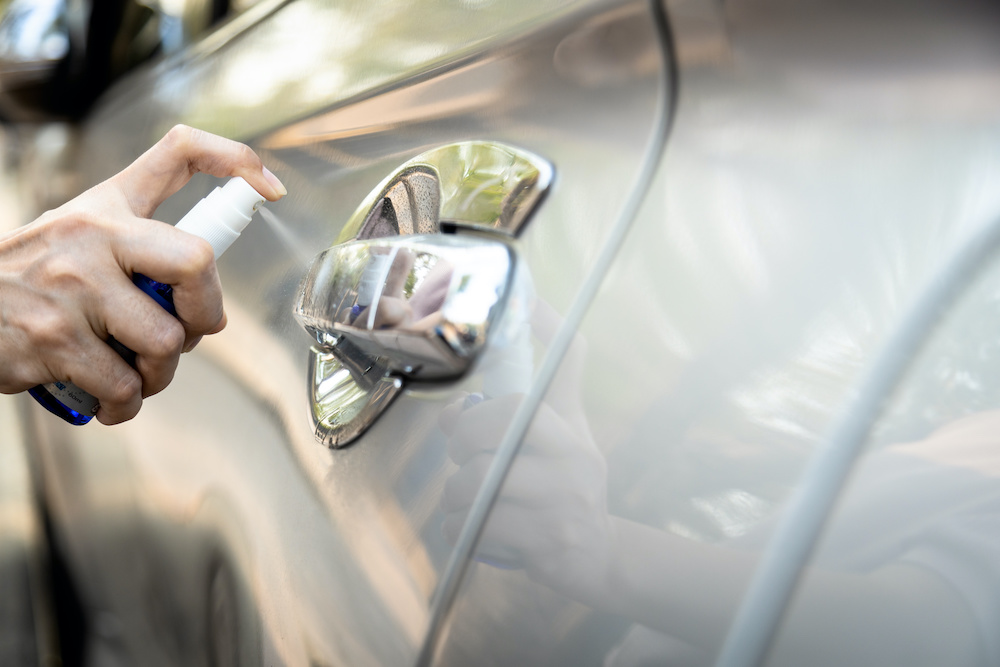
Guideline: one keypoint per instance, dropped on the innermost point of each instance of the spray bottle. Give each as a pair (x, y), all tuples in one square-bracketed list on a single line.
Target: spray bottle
[(218, 218)]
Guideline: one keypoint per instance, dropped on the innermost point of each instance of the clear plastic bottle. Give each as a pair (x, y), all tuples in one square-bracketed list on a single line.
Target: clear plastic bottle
[(218, 218)]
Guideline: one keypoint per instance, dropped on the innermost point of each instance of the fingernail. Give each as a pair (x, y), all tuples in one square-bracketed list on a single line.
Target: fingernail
[(499, 564), (192, 343), (472, 399), (273, 180)]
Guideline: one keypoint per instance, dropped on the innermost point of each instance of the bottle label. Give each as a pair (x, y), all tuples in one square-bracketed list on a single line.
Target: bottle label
[(73, 397)]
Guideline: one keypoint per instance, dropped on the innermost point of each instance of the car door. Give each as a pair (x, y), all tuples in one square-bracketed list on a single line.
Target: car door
[(816, 183), (218, 526)]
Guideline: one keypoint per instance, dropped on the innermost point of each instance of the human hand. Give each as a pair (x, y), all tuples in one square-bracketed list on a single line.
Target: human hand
[(551, 516), (65, 279), (421, 311)]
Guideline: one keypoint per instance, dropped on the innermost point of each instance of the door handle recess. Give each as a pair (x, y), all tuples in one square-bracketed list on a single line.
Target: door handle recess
[(388, 305), (473, 184)]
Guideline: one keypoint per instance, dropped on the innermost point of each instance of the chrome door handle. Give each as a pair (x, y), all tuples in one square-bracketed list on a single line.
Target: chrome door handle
[(383, 311), (387, 306), (421, 305)]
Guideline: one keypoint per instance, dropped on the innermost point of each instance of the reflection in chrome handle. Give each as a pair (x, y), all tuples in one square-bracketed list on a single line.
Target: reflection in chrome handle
[(409, 307), (421, 304)]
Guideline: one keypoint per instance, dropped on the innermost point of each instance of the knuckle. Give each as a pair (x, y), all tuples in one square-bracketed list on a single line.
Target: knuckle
[(71, 225), (197, 256), (246, 155), (126, 388), (17, 376), (179, 143), (178, 137), (202, 255), (168, 341), (48, 327), (62, 272)]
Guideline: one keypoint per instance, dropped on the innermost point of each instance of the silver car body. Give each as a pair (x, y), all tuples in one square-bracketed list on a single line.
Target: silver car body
[(747, 196)]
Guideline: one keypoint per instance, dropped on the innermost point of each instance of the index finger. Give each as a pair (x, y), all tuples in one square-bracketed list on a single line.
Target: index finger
[(184, 151), (184, 261)]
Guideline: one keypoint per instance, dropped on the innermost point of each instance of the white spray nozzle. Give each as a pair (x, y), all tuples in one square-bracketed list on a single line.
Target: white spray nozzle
[(223, 214)]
